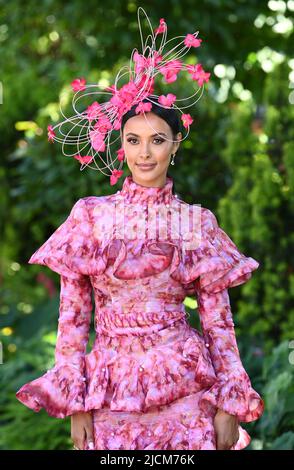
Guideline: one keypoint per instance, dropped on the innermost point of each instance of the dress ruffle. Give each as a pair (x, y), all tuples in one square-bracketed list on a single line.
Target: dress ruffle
[(216, 264), (60, 391), (155, 378)]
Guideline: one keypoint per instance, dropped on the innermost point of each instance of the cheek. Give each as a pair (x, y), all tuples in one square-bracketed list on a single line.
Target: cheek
[(162, 156), (130, 154)]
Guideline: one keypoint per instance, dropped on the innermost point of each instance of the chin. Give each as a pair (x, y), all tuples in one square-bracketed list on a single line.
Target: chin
[(145, 174), (149, 176)]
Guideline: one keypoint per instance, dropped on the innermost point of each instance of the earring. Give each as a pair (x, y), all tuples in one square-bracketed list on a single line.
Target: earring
[(173, 159)]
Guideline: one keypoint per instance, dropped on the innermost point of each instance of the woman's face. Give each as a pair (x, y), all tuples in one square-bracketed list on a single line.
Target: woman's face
[(143, 145)]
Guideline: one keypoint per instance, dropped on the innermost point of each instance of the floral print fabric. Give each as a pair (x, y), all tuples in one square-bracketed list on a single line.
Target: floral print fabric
[(151, 381)]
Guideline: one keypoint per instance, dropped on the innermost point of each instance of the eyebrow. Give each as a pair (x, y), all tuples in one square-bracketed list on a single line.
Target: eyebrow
[(153, 135)]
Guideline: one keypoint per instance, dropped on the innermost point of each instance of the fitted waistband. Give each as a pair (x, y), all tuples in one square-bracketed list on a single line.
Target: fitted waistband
[(137, 320)]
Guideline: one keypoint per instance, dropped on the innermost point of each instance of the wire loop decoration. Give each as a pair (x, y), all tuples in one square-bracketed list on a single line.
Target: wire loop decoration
[(89, 134)]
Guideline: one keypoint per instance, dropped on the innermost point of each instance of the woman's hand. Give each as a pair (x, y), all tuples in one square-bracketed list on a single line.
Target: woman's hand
[(82, 430), (226, 428)]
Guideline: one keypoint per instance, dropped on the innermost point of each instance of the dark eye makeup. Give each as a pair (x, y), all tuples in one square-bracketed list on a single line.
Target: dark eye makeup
[(134, 138)]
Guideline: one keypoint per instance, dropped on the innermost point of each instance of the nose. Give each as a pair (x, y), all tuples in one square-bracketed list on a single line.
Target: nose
[(145, 154), (144, 148), (144, 157)]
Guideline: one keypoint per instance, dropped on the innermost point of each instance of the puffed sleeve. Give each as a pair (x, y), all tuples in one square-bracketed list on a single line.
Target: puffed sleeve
[(233, 391), (229, 267), (215, 264), (69, 251), (62, 389)]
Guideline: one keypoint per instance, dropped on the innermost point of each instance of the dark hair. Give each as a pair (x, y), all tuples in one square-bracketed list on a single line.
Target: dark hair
[(169, 115)]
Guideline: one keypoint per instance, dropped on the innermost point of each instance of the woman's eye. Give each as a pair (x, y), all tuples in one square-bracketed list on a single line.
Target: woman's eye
[(158, 140)]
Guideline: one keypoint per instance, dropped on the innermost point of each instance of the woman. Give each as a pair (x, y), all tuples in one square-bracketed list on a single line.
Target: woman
[(161, 385), (151, 381)]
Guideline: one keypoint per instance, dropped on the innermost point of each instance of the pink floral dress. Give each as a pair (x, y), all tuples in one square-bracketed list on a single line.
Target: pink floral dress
[(151, 381)]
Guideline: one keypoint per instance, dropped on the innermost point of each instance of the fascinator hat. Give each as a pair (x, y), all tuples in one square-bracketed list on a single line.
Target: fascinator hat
[(89, 134)]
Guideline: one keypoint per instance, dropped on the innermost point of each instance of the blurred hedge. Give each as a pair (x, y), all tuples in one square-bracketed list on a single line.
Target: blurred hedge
[(237, 161)]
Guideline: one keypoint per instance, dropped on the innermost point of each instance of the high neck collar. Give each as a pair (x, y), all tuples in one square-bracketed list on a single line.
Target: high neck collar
[(136, 193)]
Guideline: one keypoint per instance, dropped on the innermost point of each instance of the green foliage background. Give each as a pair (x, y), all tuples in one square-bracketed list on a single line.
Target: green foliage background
[(238, 161)]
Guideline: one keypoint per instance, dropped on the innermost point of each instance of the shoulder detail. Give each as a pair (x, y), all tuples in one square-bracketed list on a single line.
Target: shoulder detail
[(98, 206), (218, 263), (79, 210), (208, 213), (69, 250), (94, 199), (209, 222)]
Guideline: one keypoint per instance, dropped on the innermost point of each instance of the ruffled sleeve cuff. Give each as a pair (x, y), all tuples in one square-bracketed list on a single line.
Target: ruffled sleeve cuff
[(60, 391), (234, 394)]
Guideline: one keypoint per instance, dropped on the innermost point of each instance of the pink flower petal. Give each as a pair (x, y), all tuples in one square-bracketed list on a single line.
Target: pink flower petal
[(191, 41), (162, 27), (143, 107), (78, 84), (84, 159), (187, 120), (167, 100), (50, 133)]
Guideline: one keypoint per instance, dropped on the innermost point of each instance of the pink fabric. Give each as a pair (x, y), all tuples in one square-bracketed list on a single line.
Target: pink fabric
[(151, 381)]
